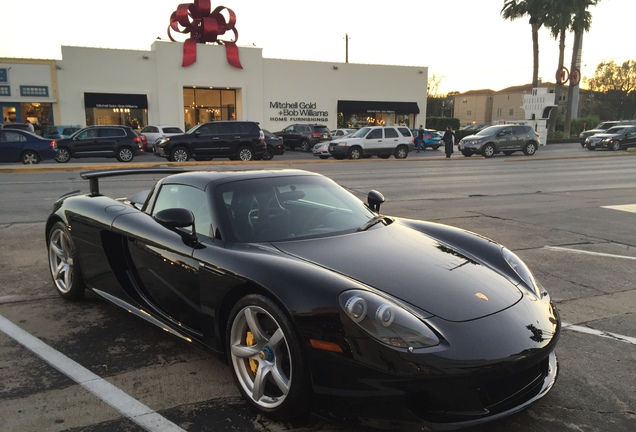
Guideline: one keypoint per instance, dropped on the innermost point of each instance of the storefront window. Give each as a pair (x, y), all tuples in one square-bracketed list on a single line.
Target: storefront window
[(203, 105), (136, 118), (359, 120)]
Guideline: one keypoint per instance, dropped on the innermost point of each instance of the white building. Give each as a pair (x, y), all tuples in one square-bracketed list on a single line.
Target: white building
[(107, 86)]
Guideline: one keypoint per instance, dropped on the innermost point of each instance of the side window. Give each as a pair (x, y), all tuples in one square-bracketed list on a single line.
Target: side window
[(110, 132), (405, 132), (226, 128), (187, 197), (87, 134), (289, 129), (375, 134), (390, 133)]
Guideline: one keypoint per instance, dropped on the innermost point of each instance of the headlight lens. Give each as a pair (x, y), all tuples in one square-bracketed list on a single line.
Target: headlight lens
[(342, 143), (522, 270), (386, 320)]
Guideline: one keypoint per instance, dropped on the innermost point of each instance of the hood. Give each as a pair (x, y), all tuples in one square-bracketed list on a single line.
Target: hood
[(605, 135), (413, 267)]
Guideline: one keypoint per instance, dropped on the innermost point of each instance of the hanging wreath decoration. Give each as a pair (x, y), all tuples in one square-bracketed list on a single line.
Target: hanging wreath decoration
[(204, 26)]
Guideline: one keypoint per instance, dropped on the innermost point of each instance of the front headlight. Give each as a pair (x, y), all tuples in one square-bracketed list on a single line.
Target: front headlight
[(522, 270), (342, 143), (386, 320)]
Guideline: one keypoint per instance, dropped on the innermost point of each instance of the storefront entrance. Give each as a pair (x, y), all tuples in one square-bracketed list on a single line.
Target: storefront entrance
[(116, 109), (203, 105), (357, 114)]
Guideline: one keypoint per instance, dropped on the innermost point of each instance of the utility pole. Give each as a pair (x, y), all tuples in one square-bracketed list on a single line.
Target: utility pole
[(346, 48)]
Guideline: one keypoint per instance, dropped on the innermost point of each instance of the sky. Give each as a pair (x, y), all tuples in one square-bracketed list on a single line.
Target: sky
[(464, 43)]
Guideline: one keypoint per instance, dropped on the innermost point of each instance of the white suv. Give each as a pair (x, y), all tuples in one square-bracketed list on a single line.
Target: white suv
[(381, 141)]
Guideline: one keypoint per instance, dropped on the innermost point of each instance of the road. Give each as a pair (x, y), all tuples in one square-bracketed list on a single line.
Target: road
[(569, 213)]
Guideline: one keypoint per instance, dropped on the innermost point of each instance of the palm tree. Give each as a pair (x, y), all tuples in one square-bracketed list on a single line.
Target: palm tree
[(536, 10), (581, 23)]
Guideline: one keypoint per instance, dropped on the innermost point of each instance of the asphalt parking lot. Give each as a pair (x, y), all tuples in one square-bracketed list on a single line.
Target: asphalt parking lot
[(565, 211)]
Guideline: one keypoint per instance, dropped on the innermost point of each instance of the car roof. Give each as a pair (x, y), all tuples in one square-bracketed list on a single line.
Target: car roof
[(202, 179)]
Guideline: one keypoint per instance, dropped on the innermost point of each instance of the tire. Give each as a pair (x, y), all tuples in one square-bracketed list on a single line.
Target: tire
[(304, 146), (467, 153), (30, 157), (263, 348), (616, 145), (488, 151), (179, 154), (401, 152), (530, 149), (125, 154), (583, 144), (269, 154), (245, 154), (64, 263), (355, 153), (63, 155)]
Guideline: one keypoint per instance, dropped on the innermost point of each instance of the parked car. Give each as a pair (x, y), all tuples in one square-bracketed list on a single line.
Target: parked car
[(321, 150), (20, 126), (341, 133), (153, 133), (599, 128), (275, 145), (20, 146), (314, 297), (242, 140), (432, 138), (615, 138), (304, 136), (112, 141), (59, 131), (505, 139), (381, 141)]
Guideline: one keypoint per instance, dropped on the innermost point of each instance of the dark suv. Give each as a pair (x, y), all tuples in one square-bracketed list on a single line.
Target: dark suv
[(304, 136), (237, 140), (117, 141), (505, 139)]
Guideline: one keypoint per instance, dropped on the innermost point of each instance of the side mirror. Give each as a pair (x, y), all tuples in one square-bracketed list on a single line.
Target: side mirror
[(173, 218), (375, 200)]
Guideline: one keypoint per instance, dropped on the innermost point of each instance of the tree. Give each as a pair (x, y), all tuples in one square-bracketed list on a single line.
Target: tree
[(536, 10), (615, 89), (581, 23)]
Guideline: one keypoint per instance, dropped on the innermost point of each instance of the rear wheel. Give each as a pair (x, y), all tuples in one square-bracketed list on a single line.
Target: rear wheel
[(323, 157), (401, 152), (530, 149), (488, 150), (63, 155), (266, 359), (180, 154), (30, 157), (125, 154), (269, 154), (245, 154), (64, 263)]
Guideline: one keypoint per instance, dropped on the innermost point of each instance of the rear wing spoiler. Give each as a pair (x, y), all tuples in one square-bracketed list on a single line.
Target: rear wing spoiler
[(94, 176)]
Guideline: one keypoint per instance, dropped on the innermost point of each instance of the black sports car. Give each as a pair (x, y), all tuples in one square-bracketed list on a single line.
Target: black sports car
[(315, 298)]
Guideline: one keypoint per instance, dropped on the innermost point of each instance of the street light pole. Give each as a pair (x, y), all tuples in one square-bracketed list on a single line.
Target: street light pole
[(346, 48)]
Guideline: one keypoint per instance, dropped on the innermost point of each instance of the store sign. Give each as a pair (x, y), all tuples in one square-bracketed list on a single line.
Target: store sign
[(297, 112)]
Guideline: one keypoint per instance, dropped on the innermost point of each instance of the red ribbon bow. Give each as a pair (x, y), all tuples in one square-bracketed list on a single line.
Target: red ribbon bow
[(203, 26)]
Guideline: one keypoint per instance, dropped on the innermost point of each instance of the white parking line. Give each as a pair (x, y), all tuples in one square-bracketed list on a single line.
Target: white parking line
[(578, 251), (591, 331), (122, 402), (625, 207)]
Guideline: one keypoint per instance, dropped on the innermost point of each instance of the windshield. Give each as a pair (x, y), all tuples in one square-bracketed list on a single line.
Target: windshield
[(361, 133), (616, 129), (290, 208), (492, 130)]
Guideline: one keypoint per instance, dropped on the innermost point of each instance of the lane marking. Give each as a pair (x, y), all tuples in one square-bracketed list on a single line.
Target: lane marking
[(626, 207), (578, 251), (130, 407), (591, 331)]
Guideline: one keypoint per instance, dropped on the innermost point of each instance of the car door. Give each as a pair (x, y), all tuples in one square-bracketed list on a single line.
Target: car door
[(206, 141), (291, 135), (11, 143), (92, 143), (630, 137), (168, 274), (505, 139), (373, 142), (392, 139)]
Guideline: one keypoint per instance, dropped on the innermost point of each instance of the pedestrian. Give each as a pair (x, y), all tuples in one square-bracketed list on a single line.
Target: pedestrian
[(449, 141), (419, 141), (31, 128)]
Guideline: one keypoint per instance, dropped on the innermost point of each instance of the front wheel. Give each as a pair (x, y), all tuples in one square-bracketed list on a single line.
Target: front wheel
[(64, 263), (63, 155), (125, 154), (616, 145), (30, 157), (180, 154), (488, 150), (266, 359), (530, 149), (304, 146), (355, 153), (401, 152), (245, 154)]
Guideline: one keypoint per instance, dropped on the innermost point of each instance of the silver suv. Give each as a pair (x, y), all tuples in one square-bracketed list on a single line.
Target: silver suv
[(381, 141), (505, 139)]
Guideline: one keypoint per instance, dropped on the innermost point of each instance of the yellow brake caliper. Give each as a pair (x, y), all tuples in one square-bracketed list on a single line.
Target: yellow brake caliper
[(250, 340)]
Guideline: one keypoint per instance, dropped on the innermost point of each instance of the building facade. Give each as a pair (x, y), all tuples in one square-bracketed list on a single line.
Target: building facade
[(107, 86)]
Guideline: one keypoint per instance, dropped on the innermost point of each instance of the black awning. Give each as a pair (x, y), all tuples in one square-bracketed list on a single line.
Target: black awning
[(378, 107), (115, 100)]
